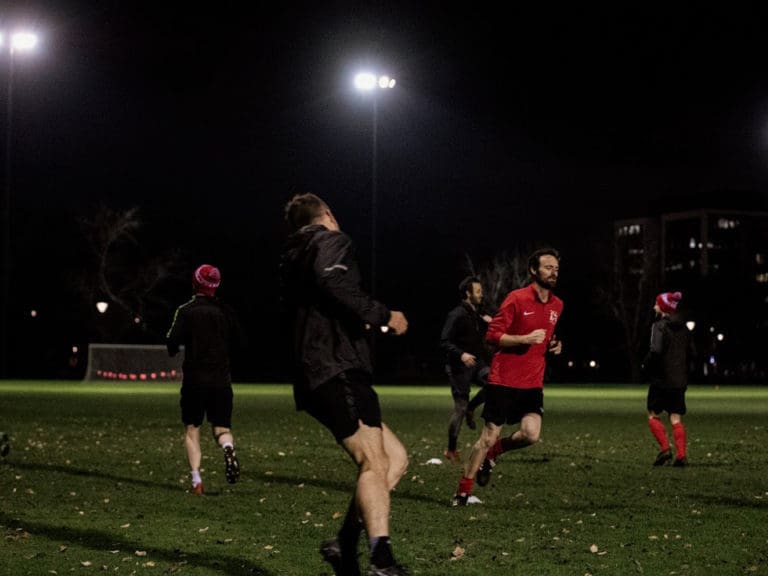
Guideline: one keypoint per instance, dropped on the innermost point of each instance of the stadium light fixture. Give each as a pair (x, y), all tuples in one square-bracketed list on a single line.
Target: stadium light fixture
[(690, 325), (370, 83), (16, 42), (102, 306)]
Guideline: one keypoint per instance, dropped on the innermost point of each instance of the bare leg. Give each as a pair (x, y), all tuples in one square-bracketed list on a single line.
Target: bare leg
[(488, 438), (371, 453), (192, 445)]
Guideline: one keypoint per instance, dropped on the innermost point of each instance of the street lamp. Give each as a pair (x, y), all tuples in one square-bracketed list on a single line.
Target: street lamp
[(368, 82), (16, 42)]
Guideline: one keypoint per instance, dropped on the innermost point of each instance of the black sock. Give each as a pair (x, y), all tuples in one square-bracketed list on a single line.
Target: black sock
[(452, 441), (381, 552), (349, 533)]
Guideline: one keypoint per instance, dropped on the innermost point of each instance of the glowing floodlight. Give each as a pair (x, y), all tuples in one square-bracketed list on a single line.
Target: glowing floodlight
[(102, 307), (23, 41)]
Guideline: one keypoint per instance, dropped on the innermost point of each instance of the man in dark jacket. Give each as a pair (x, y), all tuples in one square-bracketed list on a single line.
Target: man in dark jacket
[(462, 342), (209, 331), (667, 366), (332, 320)]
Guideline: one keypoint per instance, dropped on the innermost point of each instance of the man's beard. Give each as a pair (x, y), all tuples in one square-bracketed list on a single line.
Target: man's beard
[(545, 285)]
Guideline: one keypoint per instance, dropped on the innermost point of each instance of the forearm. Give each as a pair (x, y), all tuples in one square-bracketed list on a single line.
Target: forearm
[(511, 340)]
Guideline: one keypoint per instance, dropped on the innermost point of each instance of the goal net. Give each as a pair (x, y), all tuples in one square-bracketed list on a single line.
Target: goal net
[(132, 362)]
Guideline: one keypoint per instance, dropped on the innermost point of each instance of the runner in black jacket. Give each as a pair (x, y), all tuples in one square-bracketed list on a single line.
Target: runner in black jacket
[(462, 341), (209, 332), (332, 319)]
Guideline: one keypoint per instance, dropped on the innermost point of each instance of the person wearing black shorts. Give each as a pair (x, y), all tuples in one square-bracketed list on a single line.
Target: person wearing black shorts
[(666, 365), (523, 333), (209, 332), (332, 320)]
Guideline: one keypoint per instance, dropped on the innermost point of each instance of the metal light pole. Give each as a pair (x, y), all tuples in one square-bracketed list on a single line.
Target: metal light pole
[(17, 42), (367, 82)]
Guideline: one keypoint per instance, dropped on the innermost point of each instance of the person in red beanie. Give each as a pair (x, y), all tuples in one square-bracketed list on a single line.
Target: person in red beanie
[(667, 367), (209, 331)]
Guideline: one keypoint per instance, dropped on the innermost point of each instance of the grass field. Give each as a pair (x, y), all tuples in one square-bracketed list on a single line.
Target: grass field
[(95, 483)]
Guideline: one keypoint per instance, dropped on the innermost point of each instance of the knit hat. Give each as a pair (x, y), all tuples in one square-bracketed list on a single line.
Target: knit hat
[(668, 301), (206, 279)]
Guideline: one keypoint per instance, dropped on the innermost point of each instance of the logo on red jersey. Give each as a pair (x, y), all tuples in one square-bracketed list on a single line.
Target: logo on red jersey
[(552, 317)]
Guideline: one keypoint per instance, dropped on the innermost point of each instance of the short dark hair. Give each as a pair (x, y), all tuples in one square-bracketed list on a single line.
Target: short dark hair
[(535, 259), (303, 209), (466, 286)]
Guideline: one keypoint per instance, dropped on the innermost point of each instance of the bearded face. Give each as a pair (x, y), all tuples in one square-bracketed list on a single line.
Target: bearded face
[(546, 274)]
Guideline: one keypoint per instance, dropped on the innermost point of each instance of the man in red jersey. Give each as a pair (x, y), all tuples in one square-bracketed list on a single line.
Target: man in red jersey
[(523, 333)]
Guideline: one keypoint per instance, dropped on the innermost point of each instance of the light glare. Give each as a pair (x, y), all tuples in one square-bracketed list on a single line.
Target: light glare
[(365, 81), (22, 41)]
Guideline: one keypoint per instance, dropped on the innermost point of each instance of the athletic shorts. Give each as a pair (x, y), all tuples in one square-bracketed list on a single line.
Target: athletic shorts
[(670, 400), (343, 401), (505, 405), (461, 379), (214, 403)]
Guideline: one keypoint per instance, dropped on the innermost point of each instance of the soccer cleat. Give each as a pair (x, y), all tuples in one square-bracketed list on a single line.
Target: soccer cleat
[(452, 455), (680, 462), (483, 475), (394, 570), (232, 465), (197, 489), (330, 550), (470, 416), (5, 445), (460, 499), (663, 457)]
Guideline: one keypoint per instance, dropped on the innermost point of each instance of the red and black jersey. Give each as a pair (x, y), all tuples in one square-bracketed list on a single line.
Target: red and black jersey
[(522, 312)]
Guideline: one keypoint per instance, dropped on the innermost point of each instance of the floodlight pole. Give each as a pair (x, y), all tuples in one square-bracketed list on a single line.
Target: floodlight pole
[(374, 146), (16, 42), (5, 291)]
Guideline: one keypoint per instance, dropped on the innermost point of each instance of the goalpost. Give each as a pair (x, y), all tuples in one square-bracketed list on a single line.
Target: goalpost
[(140, 362)]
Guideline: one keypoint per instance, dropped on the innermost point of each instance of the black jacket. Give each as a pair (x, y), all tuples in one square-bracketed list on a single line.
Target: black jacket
[(209, 332), (666, 363), (324, 302), (463, 331)]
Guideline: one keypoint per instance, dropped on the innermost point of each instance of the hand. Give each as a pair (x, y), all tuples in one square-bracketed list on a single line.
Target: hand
[(468, 359), (537, 336), (486, 318), (397, 322), (555, 346)]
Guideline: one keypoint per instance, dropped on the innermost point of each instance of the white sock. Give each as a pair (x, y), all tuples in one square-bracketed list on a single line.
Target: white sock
[(224, 446), (196, 479)]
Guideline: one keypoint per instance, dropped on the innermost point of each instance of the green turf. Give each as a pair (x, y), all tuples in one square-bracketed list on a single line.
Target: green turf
[(96, 477)]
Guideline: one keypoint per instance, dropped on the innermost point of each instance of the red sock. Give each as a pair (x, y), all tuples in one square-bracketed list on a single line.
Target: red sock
[(495, 450), (678, 431), (466, 485), (659, 432)]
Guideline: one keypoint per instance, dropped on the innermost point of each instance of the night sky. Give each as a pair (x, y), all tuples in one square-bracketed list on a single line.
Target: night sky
[(505, 131)]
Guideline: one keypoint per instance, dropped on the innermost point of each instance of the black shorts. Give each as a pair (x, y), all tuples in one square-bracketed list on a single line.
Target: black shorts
[(670, 400), (214, 403), (461, 379), (342, 402), (505, 405)]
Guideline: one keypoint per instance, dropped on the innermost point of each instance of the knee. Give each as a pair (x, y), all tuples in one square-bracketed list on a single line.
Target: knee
[(532, 436)]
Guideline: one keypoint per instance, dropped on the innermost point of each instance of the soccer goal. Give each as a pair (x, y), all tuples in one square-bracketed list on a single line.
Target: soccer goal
[(132, 362)]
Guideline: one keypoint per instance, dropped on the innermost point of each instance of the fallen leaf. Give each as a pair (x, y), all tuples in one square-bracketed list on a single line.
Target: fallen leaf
[(62, 548), (593, 548), (86, 563), (458, 552), (203, 530), (140, 553)]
